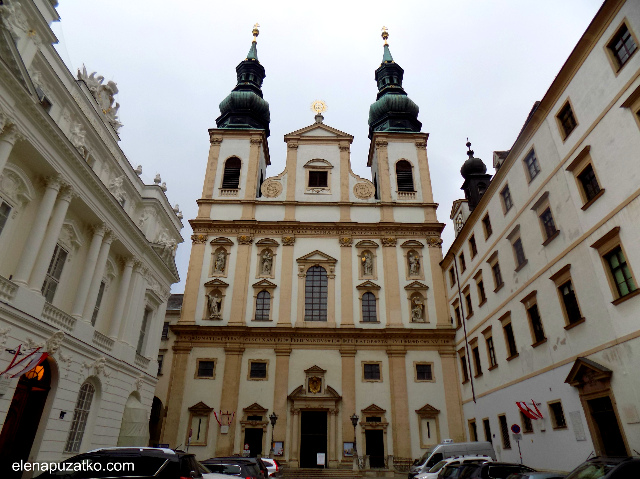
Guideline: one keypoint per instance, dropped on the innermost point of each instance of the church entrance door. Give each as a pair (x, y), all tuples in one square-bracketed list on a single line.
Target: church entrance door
[(375, 447), (23, 418), (313, 437), (253, 437), (608, 430)]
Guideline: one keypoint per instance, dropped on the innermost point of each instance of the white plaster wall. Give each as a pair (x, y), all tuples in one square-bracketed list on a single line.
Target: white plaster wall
[(408, 215), (361, 214), (269, 212)]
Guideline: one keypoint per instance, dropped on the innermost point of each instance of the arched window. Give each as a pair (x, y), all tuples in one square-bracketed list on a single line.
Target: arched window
[(80, 417), (369, 308), (404, 176), (315, 294), (231, 177), (263, 305)]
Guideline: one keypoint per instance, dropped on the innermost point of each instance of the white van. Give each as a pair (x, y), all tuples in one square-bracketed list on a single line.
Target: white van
[(449, 449)]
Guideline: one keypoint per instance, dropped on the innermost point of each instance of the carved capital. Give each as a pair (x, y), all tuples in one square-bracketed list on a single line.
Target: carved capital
[(215, 140), (99, 230), (5, 120), (292, 146), (11, 134), (288, 240), (126, 261), (198, 239), (66, 192), (109, 236), (346, 241), (421, 145), (389, 241), (54, 182), (256, 141), (245, 239), (381, 143), (434, 242), (345, 148)]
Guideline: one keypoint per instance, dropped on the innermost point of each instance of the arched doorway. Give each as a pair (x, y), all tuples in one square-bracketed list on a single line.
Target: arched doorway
[(134, 429), (155, 422), (23, 417)]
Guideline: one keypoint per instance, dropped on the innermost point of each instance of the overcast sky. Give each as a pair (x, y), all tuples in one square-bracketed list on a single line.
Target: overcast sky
[(474, 68)]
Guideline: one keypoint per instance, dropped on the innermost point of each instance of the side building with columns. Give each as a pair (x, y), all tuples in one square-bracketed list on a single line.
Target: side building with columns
[(86, 256), (542, 278), (314, 295)]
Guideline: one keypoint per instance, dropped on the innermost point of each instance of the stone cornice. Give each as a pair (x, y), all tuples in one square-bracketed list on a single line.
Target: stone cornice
[(401, 339), (269, 202)]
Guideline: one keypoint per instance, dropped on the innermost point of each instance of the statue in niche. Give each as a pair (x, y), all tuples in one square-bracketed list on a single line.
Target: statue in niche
[(416, 310), (266, 262), (215, 302), (414, 263), (367, 263), (220, 262)]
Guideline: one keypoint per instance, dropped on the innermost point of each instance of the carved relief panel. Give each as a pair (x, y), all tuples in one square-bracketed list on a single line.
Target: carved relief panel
[(414, 266), (220, 251), (266, 261), (367, 259)]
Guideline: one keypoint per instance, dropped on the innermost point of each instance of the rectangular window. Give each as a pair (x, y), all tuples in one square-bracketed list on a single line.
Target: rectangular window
[(536, 324), (622, 46), (143, 331), (467, 299), (318, 179), (620, 271), (546, 218), (557, 415), (497, 275), (504, 430), (481, 294), (475, 351), (472, 246), (371, 371), (165, 330), (507, 203), (463, 263), (491, 352), (531, 163), (5, 211), (473, 430), (160, 361), (525, 420), (424, 372), (54, 272), (258, 370), (487, 430), (463, 366), (518, 251), (486, 224), (452, 277), (566, 120), (570, 302), (589, 182), (458, 316), (510, 340), (96, 309), (206, 368)]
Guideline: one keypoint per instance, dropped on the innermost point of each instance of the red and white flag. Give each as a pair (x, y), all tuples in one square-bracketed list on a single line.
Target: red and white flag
[(30, 361)]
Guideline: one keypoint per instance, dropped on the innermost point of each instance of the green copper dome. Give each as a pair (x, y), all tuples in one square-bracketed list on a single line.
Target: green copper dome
[(392, 103), (247, 103)]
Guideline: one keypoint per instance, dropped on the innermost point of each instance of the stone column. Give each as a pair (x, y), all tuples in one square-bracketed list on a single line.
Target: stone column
[(10, 135), (280, 390), (384, 180), (121, 299), (399, 403), (333, 438), (346, 282), (87, 272), (229, 401), (241, 281), (192, 285), (439, 294), (34, 240), (251, 186), (294, 459), (452, 397), (175, 393), (348, 354), (50, 239), (391, 282), (204, 210), (130, 329), (288, 271), (94, 288), (290, 168), (345, 169)]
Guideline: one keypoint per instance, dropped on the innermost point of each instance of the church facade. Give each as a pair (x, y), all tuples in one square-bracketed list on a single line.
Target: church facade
[(314, 295)]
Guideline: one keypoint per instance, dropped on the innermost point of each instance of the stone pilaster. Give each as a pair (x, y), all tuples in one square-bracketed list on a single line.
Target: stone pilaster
[(175, 396), (192, 284), (94, 288), (121, 300), (399, 403), (87, 272), (229, 401)]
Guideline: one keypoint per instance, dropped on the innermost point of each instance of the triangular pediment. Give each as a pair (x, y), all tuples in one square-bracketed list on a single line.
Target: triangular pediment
[(316, 256), (265, 283), (255, 407), (319, 129), (367, 244), (412, 244), (368, 285), (586, 371), (216, 283), (373, 409), (416, 286), (201, 408), (315, 370), (428, 411)]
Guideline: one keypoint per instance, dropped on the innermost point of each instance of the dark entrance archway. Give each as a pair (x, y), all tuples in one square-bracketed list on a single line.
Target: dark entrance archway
[(313, 437), (375, 447), (253, 437), (23, 418), (155, 422)]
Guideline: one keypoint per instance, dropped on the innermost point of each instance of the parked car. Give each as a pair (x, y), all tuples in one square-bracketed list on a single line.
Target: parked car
[(536, 475), (455, 471), (272, 466), (259, 472), (433, 472), (450, 449), (607, 468), (496, 470), (139, 462)]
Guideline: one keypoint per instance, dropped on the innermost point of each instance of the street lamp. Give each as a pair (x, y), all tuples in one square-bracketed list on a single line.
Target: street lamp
[(354, 421), (273, 418)]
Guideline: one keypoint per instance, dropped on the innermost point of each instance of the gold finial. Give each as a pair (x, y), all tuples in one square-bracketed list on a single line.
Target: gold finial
[(385, 34), (255, 32), (319, 107)]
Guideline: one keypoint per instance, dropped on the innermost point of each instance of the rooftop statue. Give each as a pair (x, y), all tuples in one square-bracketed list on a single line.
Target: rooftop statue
[(103, 94)]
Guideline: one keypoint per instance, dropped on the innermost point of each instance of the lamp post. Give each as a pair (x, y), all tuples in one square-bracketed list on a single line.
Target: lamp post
[(273, 418), (356, 463)]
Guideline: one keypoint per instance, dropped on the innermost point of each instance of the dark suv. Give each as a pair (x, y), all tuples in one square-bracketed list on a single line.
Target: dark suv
[(124, 462), (607, 468), (262, 472), (234, 467)]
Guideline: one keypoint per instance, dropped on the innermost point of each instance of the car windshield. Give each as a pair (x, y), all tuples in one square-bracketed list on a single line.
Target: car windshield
[(229, 469), (504, 471), (591, 470), (438, 466)]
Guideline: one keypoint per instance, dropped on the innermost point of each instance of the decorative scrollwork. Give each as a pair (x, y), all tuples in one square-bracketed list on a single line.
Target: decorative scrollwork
[(288, 240), (245, 239), (198, 239), (346, 241), (364, 191), (434, 242), (389, 241), (271, 188)]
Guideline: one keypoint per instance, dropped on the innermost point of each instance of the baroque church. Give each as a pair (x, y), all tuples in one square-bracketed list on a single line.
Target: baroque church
[(314, 298)]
